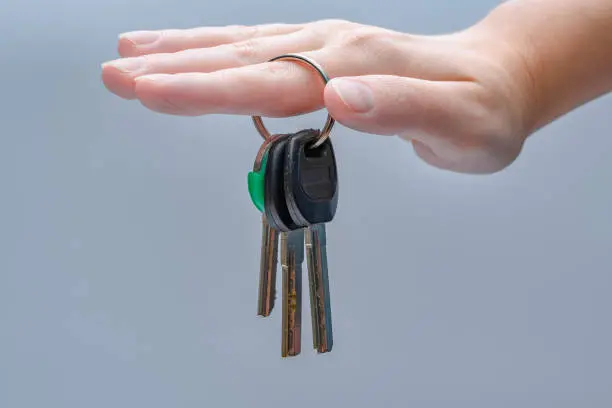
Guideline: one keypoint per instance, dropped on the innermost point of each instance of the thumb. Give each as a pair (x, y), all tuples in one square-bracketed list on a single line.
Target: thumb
[(451, 124), (394, 105)]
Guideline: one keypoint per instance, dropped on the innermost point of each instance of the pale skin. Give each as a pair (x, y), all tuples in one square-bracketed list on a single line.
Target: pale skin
[(467, 101)]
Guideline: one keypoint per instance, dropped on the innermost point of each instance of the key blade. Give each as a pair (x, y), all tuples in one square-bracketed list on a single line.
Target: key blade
[(292, 257), (268, 265), (320, 304)]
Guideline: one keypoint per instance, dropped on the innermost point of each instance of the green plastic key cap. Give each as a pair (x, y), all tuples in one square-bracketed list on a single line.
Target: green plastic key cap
[(256, 182)]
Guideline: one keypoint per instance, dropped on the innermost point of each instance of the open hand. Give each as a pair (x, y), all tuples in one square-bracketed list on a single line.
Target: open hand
[(460, 99)]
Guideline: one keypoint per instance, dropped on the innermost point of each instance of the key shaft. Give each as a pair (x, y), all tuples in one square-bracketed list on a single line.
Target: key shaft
[(292, 257), (268, 265), (320, 304)]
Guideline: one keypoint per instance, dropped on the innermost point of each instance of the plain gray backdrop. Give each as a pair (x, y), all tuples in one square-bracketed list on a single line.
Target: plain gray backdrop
[(129, 246)]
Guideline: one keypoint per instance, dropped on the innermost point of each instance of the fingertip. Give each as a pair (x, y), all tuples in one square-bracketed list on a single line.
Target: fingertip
[(334, 104), (127, 48), (117, 81), (346, 102), (137, 43), (338, 107)]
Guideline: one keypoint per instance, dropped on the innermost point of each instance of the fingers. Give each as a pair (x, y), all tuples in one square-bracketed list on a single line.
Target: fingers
[(137, 43), (119, 75), (272, 89)]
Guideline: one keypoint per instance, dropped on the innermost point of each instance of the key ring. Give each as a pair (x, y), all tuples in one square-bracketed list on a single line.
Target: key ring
[(329, 123)]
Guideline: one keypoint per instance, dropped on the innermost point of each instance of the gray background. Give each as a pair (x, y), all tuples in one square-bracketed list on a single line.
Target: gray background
[(129, 247)]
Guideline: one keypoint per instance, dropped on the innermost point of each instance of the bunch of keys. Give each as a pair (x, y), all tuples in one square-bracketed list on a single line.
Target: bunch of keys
[(294, 184)]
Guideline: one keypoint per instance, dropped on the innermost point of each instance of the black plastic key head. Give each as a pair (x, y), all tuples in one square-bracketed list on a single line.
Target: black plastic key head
[(275, 207), (311, 179)]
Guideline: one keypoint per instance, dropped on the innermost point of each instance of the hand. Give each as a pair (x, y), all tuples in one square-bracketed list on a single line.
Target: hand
[(460, 99)]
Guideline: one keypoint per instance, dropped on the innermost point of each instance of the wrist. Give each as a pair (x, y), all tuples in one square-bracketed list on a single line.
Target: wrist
[(558, 51)]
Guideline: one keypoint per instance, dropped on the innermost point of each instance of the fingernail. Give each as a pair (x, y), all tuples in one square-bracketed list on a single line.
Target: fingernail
[(141, 37), (356, 95), (128, 65)]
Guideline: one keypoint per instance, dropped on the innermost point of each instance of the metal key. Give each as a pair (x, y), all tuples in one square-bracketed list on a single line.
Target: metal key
[(301, 194), (269, 236), (292, 257), (311, 194), (299, 197), (320, 305), (267, 269)]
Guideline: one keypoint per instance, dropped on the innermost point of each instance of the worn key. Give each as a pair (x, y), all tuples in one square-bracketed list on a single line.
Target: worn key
[(267, 269), (320, 305), (269, 236), (311, 185), (292, 257), (292, 247)]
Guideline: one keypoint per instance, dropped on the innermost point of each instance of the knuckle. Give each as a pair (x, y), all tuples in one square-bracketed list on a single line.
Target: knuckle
[(253, 31), (235, 27), (166, 33), (280, 69), (147, 60), (238, 32), (277, 28), (334, 23), (362, 37), (329, 28), (245, 51)]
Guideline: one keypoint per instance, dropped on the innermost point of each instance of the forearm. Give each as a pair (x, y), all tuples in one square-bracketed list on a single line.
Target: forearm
[(565, 46)]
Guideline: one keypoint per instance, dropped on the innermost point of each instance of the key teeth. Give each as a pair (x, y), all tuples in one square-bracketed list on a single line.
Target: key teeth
[(292, 248), (268, 269), (319, 289)]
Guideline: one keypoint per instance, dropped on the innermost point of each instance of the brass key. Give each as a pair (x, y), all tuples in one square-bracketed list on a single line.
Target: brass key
[(320, 305), (269, 238), (267, 272), (292, 257)]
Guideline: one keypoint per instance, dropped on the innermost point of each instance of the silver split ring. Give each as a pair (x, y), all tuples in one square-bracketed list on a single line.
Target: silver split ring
[(329, 123)]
